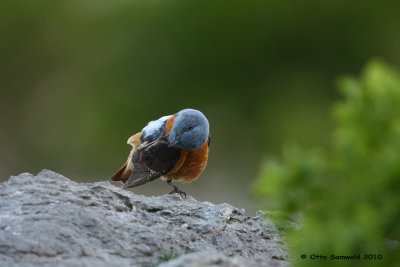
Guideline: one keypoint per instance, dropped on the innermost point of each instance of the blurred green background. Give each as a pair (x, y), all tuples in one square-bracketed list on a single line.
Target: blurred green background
[(77, 78)]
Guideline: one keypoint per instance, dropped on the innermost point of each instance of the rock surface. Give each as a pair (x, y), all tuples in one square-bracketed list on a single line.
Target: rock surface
[(48, 220)]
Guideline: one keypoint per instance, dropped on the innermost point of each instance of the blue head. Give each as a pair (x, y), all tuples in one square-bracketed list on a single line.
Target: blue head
[(190, 130)]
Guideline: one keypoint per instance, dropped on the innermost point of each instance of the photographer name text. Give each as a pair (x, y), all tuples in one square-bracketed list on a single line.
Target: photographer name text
[(342, 257)]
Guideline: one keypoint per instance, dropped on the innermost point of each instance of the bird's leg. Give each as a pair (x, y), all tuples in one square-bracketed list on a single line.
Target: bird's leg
[(176, 189)]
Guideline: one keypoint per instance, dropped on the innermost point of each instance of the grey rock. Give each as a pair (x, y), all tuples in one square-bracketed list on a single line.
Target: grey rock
[(218, 259), (49, 220)]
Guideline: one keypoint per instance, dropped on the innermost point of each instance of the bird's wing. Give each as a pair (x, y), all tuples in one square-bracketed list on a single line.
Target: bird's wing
[(153, 158), (151, 161)]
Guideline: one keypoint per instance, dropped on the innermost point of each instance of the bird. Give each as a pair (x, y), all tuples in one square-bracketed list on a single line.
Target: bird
[(173, 148)]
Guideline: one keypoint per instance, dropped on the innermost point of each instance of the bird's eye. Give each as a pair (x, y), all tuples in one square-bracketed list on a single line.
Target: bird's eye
[(190, 128)]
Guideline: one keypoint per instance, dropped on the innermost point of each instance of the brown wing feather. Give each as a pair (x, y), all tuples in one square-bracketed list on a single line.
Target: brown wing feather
[(151, 161), (126, 170), (119, 175)]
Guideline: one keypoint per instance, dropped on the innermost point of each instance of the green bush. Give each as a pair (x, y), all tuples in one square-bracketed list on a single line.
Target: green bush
[(348, 195)]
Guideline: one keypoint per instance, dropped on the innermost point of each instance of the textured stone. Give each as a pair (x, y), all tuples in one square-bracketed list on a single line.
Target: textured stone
[(48, 220), (214, 258)]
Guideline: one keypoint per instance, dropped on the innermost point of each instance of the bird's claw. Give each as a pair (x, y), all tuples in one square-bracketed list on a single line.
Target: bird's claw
[(176, 190)]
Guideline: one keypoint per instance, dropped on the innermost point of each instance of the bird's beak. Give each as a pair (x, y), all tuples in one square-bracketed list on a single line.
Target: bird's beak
[(171, 144)]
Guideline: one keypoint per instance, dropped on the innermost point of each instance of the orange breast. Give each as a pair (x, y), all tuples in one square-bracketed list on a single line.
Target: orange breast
[(192, 167)]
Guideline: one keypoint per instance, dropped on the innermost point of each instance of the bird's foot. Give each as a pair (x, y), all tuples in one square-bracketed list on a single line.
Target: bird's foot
[(176, 190)]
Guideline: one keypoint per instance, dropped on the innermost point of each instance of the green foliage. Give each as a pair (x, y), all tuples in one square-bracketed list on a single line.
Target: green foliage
[(169, 254), (349, 196)]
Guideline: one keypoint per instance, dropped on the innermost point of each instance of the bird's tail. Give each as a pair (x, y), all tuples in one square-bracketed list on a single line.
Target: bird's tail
[(140, 175), (123, 173)]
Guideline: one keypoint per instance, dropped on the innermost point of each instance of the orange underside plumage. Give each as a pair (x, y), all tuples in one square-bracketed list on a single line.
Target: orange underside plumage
[(192, 167)]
